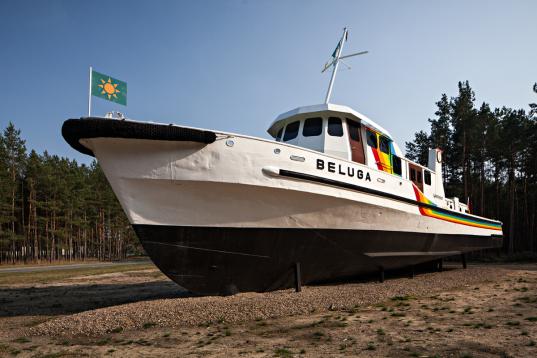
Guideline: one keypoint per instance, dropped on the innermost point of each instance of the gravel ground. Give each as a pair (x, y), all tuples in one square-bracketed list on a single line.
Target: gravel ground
[(181, 312)]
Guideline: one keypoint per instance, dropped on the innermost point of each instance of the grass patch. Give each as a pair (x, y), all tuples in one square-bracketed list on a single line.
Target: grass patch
[(381, 332), (54, 355), (531, 319), (402, 298), (7, 278), (283, 352), (528, 299), (117, 330), (103, 341), (142, 342), (21, 340), (148, 325), (467, 310)]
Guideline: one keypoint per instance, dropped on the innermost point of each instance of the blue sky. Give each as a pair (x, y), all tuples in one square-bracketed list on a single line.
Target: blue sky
[(236, 65)]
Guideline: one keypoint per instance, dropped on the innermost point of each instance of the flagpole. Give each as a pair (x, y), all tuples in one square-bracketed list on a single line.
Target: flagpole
[(89, 91), (335, 66)]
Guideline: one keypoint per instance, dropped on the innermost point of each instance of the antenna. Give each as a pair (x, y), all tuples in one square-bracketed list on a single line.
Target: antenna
[(336, 59)]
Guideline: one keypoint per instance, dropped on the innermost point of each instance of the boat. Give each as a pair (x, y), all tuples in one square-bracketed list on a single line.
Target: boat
[(330, 195)]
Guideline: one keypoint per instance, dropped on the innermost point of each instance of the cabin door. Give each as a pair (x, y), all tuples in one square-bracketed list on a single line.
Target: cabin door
[(416, 175), (355, 140)]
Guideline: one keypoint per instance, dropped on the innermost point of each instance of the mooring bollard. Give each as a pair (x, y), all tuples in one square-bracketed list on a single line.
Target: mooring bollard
[(298, 278), (381, 274), (412, 271), (463, 258)]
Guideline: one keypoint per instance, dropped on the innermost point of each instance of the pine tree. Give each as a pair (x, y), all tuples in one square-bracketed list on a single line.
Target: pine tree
[(418, 150), (441, 133), (533, 106), (53, 208), (463, 114), (15, 156)]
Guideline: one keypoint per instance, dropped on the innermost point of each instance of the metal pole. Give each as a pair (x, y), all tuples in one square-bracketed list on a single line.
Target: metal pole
[(89, 91), (335, 66), (463, 257), (298, 279)]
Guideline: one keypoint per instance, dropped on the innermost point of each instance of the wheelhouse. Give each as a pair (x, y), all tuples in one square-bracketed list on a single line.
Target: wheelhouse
[(341, 132)]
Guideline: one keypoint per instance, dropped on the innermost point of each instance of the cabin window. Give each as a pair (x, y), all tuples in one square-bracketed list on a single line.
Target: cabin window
[(279, 135), (385, 145), (412, 175), (427, 177), (396, 165), (372, 139), (354, 130), (335, 128), (312, 127), (418, 176), (291, 131)]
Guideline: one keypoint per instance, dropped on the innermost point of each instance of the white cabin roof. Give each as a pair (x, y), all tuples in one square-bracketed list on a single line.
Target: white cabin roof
[(287, 117)]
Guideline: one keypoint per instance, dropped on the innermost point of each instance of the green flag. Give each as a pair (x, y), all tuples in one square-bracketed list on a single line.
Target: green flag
[(108, 88)]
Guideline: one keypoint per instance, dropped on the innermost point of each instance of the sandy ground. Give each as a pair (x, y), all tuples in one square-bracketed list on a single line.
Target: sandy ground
[(486, 311)]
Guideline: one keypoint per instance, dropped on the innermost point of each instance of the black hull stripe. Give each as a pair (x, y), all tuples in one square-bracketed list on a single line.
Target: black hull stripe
[(317, 179)]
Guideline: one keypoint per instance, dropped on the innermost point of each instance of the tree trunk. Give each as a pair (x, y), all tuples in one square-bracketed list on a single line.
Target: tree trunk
[(511, 184)]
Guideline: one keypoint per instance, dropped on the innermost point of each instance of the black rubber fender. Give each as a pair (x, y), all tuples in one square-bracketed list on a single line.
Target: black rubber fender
[(92, 127)]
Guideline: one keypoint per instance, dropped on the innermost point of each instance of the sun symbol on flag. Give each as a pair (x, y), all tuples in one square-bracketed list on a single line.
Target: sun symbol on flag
[(109, 88)]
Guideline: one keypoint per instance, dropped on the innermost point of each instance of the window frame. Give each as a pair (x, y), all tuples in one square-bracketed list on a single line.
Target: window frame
[(320, 129), (395, 158), (287, 139), (279, 135), (369, 132), (427, 177), (329, 129), (357, 126), (386, 141)]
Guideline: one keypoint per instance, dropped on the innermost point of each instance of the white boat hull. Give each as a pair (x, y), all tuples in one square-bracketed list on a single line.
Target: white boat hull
[(237, 213)]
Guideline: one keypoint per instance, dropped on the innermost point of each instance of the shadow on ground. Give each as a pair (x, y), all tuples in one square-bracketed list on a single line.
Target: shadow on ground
[(68, 299)]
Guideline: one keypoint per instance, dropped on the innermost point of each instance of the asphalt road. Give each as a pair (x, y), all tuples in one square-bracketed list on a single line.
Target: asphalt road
[(71, 266)]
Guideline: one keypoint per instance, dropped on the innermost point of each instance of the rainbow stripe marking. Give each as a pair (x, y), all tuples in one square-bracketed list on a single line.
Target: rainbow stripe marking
[(454, 218), (383, 160)]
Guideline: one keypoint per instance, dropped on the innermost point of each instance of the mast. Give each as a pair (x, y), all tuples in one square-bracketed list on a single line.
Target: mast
[(335, 64)]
